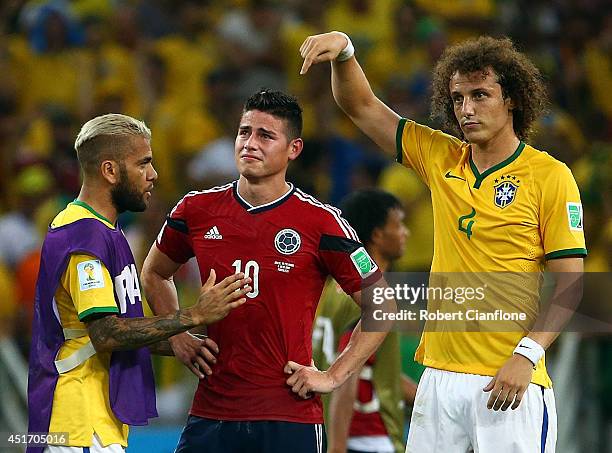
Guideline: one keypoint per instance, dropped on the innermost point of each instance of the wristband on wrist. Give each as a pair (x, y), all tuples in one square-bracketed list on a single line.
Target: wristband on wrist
[(348, 51), (197, 336), (530, 349)]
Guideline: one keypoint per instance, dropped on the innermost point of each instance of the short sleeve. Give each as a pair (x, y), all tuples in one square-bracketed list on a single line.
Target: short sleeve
[(90, 286), (416, 144), (344, 256), (561, 215), (173, 239)]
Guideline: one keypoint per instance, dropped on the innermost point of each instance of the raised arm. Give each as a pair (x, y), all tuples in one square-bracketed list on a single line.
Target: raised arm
[(352, 90)]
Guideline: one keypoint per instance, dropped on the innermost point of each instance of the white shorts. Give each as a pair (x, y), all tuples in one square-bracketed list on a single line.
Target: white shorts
[(95, 448), (450, 415)]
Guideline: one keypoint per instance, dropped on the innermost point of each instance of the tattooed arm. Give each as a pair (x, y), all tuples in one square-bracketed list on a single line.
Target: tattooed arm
[(215, 302), (113, 333)]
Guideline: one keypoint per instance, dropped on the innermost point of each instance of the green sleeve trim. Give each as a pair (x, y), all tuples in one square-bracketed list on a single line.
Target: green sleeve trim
[(93, 310), (398, 140), (566, 252)]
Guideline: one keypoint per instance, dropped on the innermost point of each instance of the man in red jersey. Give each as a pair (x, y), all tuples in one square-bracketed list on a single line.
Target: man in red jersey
[(287, 242)]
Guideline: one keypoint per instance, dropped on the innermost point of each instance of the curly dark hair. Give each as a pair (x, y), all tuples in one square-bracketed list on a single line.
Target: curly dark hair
[(519, 78)]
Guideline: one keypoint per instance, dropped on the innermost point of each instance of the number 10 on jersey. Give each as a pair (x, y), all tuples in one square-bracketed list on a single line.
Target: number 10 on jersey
[(251, 269)]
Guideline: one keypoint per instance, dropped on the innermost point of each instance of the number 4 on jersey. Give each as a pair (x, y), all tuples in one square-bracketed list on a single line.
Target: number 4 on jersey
[(466, 222)]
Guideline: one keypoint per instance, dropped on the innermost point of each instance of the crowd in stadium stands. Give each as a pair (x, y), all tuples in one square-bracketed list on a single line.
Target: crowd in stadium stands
[(187, 66)]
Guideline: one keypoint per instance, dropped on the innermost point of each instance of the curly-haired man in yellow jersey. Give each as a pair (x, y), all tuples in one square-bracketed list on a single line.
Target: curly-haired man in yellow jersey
[(499, 206)]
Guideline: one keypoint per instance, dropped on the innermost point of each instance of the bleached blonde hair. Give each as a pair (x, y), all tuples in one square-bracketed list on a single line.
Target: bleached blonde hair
[(107, 137)]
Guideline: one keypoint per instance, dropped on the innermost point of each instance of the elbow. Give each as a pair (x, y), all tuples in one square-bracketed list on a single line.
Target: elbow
[(355, 107), (146, 284), (146, 277), (151, 278), (350, 105)]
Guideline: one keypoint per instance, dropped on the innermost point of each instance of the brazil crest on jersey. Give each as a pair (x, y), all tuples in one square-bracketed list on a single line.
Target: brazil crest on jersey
[(288, 248), (511, 218)]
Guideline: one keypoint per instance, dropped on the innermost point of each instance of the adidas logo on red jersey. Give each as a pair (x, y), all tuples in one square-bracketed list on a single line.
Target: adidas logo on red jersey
[(213, 233)]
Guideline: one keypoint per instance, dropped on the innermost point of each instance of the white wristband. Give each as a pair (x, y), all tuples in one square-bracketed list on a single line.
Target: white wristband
[(530, 349), (348, 51), (197, 336)]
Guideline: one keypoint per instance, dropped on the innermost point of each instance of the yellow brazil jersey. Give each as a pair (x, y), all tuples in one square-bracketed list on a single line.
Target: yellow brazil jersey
[(508, 220), (81, 402)]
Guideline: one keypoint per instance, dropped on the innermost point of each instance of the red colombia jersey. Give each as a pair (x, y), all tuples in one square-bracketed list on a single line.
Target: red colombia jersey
[(288, 247)]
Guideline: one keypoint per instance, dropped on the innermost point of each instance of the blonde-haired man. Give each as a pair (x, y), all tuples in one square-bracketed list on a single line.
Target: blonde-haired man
[(90, 372)]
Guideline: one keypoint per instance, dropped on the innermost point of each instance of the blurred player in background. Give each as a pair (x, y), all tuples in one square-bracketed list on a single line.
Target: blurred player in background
[(499, 206), (288, 243), (366, 413), (90, 374)]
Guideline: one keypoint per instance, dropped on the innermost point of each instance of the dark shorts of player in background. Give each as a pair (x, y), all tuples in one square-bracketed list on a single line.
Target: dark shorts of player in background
[(203, 435)]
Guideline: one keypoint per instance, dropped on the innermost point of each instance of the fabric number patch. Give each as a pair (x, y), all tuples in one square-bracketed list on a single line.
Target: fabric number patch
[(574, 216), (90, 275)]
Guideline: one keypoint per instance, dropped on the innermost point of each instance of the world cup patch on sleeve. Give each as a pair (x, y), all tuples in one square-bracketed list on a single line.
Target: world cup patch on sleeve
[(363, 263), (90, 275), (574, 216)]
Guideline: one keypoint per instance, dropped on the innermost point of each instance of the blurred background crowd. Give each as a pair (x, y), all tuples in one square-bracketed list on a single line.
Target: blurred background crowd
[(186, 67)]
